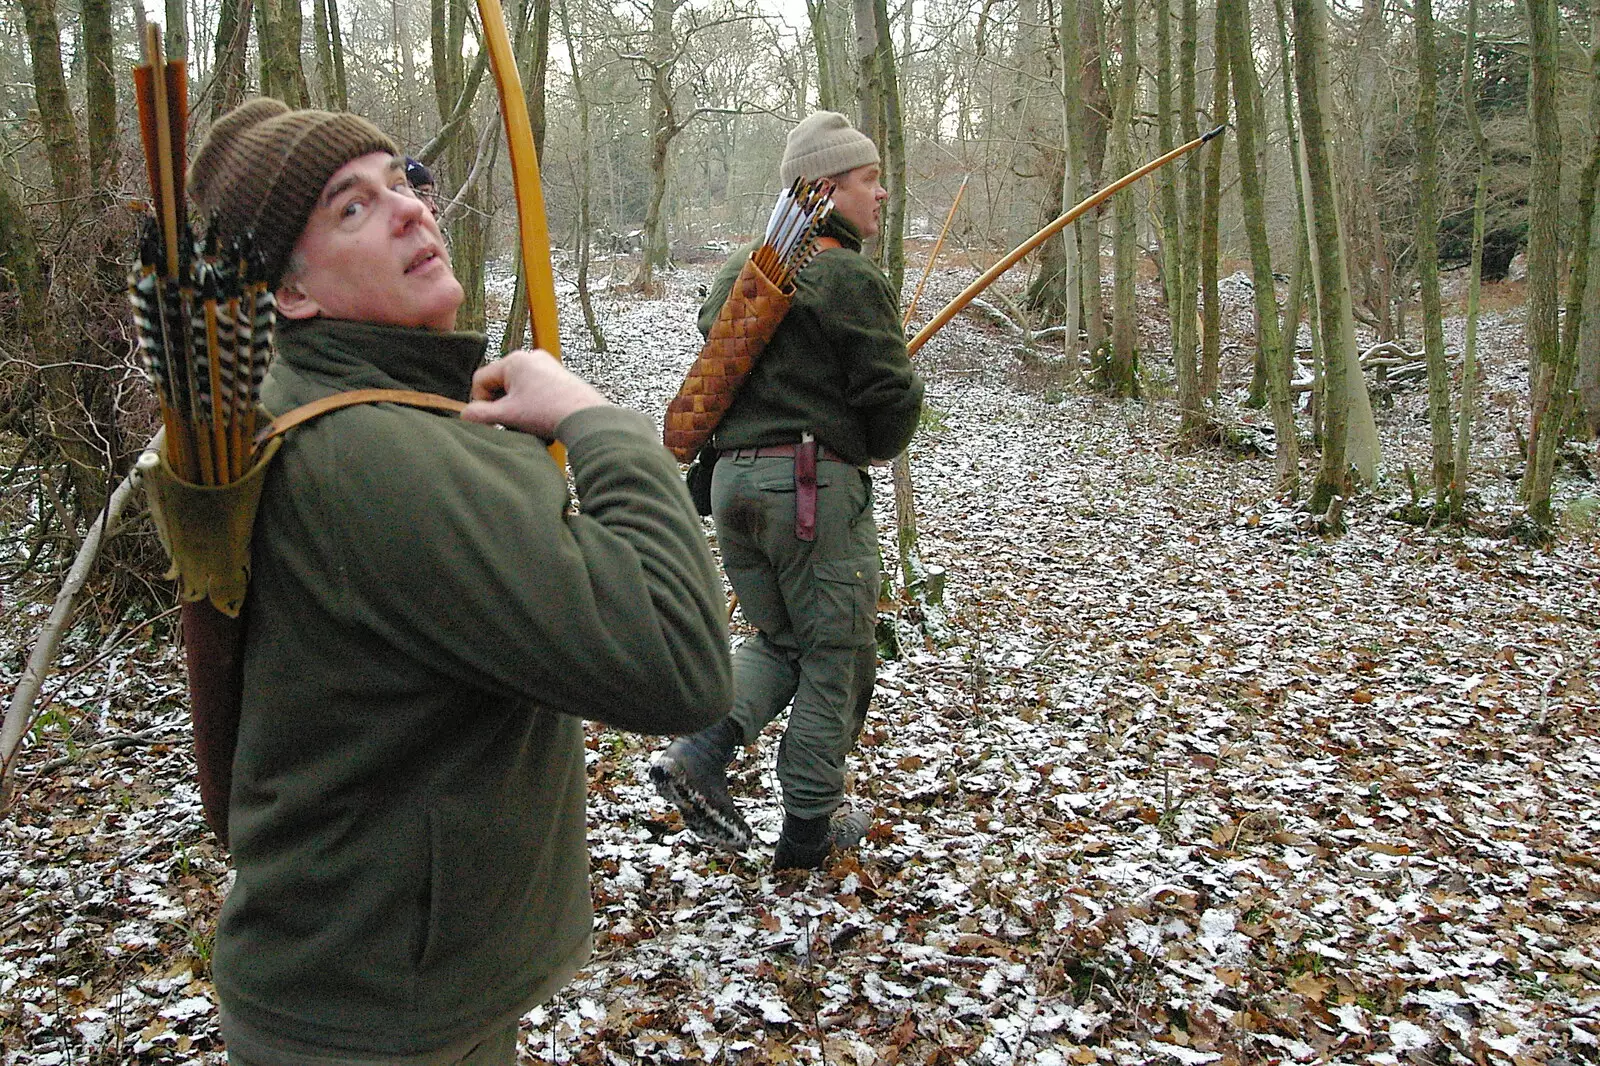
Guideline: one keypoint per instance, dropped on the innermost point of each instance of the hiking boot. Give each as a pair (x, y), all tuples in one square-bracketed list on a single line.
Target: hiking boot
[(805, 843), (692, 775)]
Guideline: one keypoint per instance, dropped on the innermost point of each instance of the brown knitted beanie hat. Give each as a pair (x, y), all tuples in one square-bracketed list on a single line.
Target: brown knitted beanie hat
[(263, 166), (822, 145)]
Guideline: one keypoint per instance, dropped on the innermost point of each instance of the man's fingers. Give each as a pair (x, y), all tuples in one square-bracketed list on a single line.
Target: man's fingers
[(490, 382), (486, 411)]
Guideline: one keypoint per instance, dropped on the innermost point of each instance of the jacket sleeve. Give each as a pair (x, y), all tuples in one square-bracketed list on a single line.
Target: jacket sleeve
[(862, 325), (721, 286), (459, 549)]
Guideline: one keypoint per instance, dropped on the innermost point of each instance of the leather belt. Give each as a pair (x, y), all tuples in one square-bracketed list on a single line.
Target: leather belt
[(806, 454), (783, 451)]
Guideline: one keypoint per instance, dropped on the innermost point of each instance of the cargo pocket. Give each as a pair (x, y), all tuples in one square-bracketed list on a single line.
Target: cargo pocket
[(846, 593)]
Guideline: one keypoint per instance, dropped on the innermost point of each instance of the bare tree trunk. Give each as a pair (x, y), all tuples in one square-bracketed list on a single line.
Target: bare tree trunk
[(57, 125), (1097, 106), (1461, 467), (227, 68), (1171, 267), (1588, 374), (1121, 369), (1074, 171), (341, 83), (1328, 254), (278, 40), (100, 98), (1428, 253), (408, 63), (1210, 219), (1546, 404), (828, 96), (880, 111), (1235, 18), (664, 126), (325, 77), (1541, 467), (1302, 264), (468, 232), (1185, 345), (580, 96)]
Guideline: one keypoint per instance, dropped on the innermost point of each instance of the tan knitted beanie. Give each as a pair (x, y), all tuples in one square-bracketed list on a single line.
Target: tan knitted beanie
[(822, 145), (263, 166)]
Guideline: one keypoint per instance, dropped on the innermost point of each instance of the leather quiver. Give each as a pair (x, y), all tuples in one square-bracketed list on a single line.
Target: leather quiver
[(748, 319), (206, 528), (213, 648)]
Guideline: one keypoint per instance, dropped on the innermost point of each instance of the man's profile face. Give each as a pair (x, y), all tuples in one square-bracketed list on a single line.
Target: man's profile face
[(429, 195), (857, 196), (371, 252)]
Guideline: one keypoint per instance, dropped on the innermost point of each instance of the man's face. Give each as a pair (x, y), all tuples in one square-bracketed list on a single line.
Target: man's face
[(429, 195), (857, 197), (371, 252)]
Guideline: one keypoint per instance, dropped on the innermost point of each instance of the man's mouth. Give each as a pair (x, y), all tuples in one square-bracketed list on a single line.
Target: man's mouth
[(422, 259)]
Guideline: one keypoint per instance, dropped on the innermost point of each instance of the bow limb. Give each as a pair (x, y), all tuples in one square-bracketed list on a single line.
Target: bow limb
[(970, 293), (532, 228), (933, 256)]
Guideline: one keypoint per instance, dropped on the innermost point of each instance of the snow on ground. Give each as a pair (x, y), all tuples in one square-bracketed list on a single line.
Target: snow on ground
[(1188, 786)]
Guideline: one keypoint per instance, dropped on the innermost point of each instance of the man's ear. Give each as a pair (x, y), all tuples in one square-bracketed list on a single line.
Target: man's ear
[(295, 303)]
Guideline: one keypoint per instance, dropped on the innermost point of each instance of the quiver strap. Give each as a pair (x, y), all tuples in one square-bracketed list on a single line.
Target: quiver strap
[(748, 319)]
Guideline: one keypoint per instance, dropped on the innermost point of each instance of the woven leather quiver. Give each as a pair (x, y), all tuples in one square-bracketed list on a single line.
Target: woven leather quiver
[(747, 321)]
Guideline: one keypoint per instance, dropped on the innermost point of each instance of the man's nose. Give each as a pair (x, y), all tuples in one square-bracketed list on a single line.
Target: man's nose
[(409, 209)]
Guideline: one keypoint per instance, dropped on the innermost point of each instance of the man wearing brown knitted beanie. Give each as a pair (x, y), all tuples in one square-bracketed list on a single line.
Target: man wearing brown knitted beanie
[(428, 621), (834, 378)]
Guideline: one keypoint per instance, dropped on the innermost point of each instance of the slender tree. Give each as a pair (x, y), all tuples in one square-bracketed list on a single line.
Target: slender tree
[(1185, 346), (56, 121), (468, 226), (1461, 466), (1120, 370), (1235, 16), (1210, 231), (597, 338), (1541, 467), (227, 66), (1167, 178), (1333, 478), (879, 102), (100, 97), (1428, 253), (1544, 232)]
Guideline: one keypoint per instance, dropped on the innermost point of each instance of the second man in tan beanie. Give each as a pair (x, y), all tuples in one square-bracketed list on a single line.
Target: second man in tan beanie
[(834, 377)]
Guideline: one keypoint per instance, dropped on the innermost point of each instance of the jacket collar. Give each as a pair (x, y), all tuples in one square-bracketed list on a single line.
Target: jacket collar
[(364, 355), (843, 232)]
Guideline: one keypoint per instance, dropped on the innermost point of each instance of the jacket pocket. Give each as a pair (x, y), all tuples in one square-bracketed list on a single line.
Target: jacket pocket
[(846, 592)]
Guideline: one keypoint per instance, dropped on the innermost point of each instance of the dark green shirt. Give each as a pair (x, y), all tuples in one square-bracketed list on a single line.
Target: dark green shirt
[(426, 625), (837, 365)]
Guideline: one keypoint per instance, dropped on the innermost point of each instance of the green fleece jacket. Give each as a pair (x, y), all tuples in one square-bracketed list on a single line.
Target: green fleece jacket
[(427, 623), (837, 365)]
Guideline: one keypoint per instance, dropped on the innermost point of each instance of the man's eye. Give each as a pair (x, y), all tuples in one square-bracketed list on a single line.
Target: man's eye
[(351, 209)]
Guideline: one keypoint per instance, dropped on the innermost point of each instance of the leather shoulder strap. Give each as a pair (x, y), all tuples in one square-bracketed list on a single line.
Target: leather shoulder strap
[(316, 408), (824, 243)]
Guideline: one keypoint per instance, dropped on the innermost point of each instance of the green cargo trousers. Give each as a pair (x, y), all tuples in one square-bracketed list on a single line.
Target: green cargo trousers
[(815, 604)]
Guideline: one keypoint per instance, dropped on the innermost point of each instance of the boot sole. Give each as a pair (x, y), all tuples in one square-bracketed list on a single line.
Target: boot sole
[(709, 822)]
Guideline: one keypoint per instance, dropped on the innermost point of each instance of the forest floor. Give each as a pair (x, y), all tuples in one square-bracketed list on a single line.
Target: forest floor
[(1189, 785)]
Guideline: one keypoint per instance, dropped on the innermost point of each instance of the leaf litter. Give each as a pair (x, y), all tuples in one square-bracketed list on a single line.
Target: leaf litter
[(1189, 786)]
